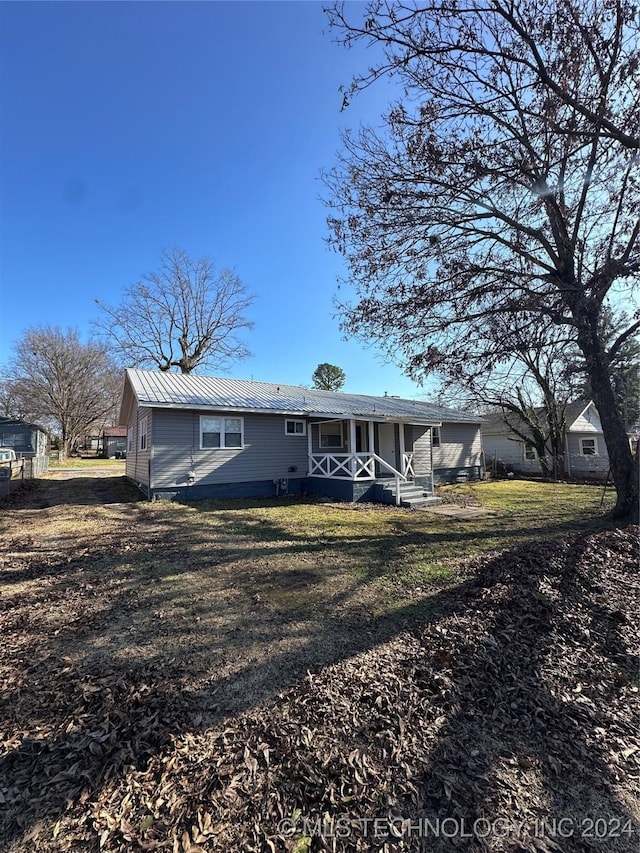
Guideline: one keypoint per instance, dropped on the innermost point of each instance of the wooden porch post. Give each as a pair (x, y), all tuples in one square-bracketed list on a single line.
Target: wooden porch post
[(352, 445), (372, 441), (309, 446), (402, 466)]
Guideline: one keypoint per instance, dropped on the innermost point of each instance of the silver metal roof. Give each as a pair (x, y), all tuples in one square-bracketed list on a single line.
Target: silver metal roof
[(178, 391)]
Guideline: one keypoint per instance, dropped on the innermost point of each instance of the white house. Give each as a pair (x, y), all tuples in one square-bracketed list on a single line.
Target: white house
[(585, 453)]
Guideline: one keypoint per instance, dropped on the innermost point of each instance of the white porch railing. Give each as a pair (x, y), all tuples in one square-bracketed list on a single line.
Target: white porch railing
[(351, 466), (356, 466), (407, 465)]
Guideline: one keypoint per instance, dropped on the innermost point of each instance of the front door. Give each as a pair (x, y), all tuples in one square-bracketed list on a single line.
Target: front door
[(387, 447)]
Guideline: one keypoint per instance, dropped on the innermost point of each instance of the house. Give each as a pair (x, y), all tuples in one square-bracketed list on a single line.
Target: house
[(202, 437), (92, 442), (584, 451), (114, 442), (27, 440)]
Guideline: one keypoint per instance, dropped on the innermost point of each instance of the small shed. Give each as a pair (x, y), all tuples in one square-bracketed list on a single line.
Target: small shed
[(26, 439), (114, 443)]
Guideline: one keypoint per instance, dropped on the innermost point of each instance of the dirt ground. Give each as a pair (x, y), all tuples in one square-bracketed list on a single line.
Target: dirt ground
[(157, 694)]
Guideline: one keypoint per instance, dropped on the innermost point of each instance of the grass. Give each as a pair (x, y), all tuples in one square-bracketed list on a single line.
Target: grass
[(412, 546), (225, 584), (86, 462), (537, 500)]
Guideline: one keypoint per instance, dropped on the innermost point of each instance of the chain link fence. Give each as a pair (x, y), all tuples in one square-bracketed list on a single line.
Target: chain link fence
[(14, 474)]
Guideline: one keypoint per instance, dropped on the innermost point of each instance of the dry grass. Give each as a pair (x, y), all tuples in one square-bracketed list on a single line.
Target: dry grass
[(215, 607)]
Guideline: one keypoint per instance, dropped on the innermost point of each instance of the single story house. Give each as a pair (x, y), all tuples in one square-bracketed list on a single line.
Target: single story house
[(203, 437), (585, 453), (93, 442), (27, 440), (114, 442)]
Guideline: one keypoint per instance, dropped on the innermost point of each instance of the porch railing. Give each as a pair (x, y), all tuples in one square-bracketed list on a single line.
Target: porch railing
[(352, 466), (356, 466), (407, 465)]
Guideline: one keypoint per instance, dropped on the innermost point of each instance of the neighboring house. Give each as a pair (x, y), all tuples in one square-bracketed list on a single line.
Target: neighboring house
[(27, 440), (201, 437), (92, 442), (114, 442), (585, 453)]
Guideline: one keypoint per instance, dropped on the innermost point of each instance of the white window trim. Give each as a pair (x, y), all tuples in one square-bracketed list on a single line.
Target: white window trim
[(295, 421), (143, 443), (595, 446), (530, 449), (331, 446), (436, 437), (223, 431)]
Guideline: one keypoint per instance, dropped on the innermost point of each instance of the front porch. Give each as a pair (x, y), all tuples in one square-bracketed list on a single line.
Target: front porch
[(355, 460)]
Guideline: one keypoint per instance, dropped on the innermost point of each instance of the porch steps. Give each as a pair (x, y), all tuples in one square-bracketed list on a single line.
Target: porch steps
[(411, 495)]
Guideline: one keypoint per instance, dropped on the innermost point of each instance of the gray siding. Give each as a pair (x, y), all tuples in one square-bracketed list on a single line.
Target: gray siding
[(138, 461), (419, 439), (25, 439), (591, 465), (268, 453), (460, 446), (510, 451)]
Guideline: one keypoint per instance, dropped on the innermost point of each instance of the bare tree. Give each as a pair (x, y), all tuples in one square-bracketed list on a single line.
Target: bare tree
[(504, 184), (55, 378), (526, 380), (185, 315), (328, 377)]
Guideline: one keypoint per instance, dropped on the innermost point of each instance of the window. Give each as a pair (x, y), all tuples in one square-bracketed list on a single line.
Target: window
[(435, 436), (529, 452), (331, 435), (130, 441), (143, 434), (221, 433), (588, 447), (295, 428)]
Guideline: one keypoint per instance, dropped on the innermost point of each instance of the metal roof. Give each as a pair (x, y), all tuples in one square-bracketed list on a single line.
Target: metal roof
[(176, 390), (496, 423)]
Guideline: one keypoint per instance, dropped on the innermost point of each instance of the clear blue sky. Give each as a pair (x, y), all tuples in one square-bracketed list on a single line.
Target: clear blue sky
[(130, 127)]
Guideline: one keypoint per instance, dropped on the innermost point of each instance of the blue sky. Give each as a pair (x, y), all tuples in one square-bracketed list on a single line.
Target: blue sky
[(131, 127)]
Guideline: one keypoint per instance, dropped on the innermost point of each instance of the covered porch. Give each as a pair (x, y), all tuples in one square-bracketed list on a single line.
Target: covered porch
[(369, 459)]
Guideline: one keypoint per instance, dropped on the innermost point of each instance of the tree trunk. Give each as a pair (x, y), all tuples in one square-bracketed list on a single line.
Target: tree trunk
[(620, 457)]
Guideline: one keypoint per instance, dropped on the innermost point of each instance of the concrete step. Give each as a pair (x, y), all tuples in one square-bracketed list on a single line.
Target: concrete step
[(417, 503), (414, 492), (412, 495)]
